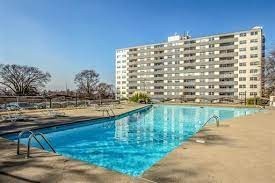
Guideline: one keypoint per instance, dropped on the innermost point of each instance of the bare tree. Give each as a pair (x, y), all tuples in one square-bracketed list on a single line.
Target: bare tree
[(86, 82), (105, 90), (23, 80), (270, 73)]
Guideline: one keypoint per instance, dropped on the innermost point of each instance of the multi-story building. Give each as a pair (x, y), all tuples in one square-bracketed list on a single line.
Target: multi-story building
[(227, 65)]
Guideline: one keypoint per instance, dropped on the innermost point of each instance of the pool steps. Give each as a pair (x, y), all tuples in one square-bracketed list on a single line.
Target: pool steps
[(32, 135), (217, 119)]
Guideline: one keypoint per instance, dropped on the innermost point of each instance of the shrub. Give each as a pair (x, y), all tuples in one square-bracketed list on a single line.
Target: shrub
[(139, 97), (250, 101), (165, 99)]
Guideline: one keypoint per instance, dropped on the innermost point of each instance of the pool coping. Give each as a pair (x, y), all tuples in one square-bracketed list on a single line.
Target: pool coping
[(211, 105)]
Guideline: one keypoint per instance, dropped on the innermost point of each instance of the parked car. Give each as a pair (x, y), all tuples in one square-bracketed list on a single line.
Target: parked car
[(2, 107), (19, 105), (40, 106)]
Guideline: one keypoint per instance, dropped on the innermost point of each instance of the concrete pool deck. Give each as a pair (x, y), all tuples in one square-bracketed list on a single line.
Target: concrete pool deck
[(240, 150)]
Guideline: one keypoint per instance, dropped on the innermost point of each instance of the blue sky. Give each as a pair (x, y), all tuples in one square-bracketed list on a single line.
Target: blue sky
[(66, 36)]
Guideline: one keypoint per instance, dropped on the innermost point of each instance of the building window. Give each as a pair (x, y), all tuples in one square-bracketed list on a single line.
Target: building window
[(254, 63), (226, 58), (253, 78), (253, 55), (253, 48), (210, 93), (242, 34), (253, 86), (243, 42), (226, 65), (242, 49), (211, 53), (242, 86), (242, 64), (158, 93), (253, 93), (253, 40), (242, 56), (227, 44), (226, 79), (242, 79), (253, 70), (242, 71), (254, 33)]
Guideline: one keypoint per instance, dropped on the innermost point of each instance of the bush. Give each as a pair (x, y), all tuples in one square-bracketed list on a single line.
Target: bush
[(250, 101), (140, 97), (165, 99)]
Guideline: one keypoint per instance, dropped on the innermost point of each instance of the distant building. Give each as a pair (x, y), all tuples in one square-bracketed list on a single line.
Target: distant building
[(212, 67)]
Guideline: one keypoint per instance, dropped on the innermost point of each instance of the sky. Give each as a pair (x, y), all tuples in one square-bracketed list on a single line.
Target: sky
[(64, 37)]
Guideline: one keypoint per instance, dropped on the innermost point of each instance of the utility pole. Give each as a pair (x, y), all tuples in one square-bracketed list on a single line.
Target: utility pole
[(66, 89), (75, 99), (245, 98), (255, 99)]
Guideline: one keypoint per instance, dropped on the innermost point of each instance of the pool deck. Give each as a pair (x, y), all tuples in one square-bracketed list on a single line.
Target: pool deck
[(240, 150)]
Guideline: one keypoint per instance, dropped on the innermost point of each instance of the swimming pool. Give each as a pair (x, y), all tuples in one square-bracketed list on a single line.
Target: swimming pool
[(132, 143)]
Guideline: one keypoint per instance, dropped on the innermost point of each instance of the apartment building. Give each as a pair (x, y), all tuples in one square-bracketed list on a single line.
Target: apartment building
[(227, 65)]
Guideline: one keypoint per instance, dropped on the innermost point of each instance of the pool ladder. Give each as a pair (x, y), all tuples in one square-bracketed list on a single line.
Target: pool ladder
[(32, 136), (107, 112), (217, 119)]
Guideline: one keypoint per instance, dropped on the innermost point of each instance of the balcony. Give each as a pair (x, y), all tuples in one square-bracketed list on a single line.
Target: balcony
[(227, 37)]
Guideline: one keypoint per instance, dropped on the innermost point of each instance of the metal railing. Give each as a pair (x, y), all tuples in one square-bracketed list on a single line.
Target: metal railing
[(217, 119), (31, 136), (107, 112), (19, 137), (34, 136)]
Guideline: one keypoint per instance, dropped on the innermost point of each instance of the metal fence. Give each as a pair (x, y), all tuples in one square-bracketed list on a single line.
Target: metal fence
[(40, 102)]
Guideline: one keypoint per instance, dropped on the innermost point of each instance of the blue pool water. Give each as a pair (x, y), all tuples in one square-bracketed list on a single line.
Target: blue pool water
[(132, 143)]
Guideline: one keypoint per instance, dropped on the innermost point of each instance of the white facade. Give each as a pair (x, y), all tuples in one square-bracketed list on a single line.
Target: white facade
[(121, 73), (216, 66)]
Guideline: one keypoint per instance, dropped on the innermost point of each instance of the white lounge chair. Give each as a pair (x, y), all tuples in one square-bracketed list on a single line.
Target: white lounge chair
[(4, 117), (53, 113), (13, 116)]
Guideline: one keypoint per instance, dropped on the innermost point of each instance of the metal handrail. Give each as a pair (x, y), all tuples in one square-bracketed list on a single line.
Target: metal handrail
[(216, 118), (107, 111), (19, 137), (112, 111), (108, 114), (34, 136)]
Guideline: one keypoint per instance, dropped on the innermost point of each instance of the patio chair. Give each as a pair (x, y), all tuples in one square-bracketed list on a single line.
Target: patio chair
[(13, 116), (53, 113), (4, 117), (96, 107)]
